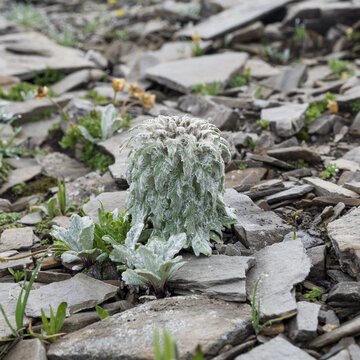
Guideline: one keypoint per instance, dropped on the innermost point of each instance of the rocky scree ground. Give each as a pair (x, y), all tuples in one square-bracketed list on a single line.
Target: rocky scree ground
[(280, 79)]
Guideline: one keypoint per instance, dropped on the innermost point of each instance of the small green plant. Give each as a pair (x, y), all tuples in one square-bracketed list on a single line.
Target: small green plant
[(95, 96), (298, 164), (152, 264), (314, 295), (300, 33), (255, 312), (103, 314), (252, 143), (277, 56), (27, 15), (19, 92), (338, 66), (48, 77), (316, 109), (8, 218), (91, 155), (167, 348), (264, 124), (18, 189), (67, 37), (242, 166), (111, 224), (330, 170), (55, 323), (196, 49), (208, 89), (257, 93), (18, 275), (57, 205), (121, 35), (355, 106), (45, 115), (18, 331), (78, 243), (240, 79), (176, 178)]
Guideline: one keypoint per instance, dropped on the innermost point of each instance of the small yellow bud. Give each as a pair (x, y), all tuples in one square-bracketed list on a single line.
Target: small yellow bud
[(333, 106), (349, 31), (120, 12), (135, 91), (196, 38), (41, 92), (147, 100), (112, 2), (118, 84)]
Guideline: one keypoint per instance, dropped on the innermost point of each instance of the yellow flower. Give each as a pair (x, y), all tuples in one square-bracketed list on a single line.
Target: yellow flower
[(333, 106), (349, 31), (147, 100), (112, 2), (120, 12), (41, 92), (135, 91), (196, 38), (118, 84)]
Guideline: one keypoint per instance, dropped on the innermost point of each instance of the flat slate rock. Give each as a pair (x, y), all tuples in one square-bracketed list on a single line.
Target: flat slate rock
[(27, 349), (232, 19), (15, 264), (183, 75), (23, 53), (281, 267), (277, 348), (16, 239), (257, 228), (353, 155), (327, 188), (110, 200), (80, 292), (8, 299), (292, 193), (62, 166), (304, 326), (18, 176), (218, 276), (346, 292), (344, 236), (286, 120), (130, 334), (296, 153)]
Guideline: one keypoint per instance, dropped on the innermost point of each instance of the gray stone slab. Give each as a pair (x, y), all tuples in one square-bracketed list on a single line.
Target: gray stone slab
[(232, 19), (76, 79), (327, 188), (352, 94), (20, 175), (80, 292), (307, 239), (281, 267), (285, 120), (304, 326), (277, 348), (15, 264), (23, 53), (221, 116), (31, 219), (296, 153), (344, 236), (61, 166), (219, 276), (317, 255), (257, 228), (292, 193), (110, 200), (8, 299), (183, 75), (353, 155), (130, 334), (27, 349), (16, 239), (345, 292)]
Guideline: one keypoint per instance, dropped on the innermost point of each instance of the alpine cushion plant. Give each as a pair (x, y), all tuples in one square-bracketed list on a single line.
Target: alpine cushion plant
[(78, 242), (152, 264), (176, 177)]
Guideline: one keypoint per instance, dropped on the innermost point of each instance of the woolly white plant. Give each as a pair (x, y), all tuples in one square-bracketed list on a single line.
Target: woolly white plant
[(176, 177)]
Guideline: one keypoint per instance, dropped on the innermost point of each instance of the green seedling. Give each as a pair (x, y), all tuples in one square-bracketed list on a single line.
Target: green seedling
[(18, 275), (53, 327), (103, 314), (330, 171)]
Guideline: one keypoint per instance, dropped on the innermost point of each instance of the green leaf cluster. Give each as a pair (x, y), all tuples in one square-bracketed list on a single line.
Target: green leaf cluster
[(316, 109), (176, 177), (240, 79), (208, 89), (55, 323), (330, 170), (338, 66)]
